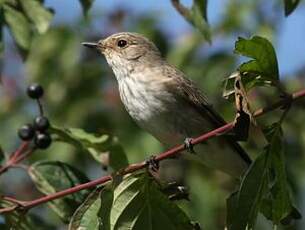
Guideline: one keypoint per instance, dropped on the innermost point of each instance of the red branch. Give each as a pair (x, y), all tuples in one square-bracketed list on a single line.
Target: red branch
[(25, 205), (16, 157)]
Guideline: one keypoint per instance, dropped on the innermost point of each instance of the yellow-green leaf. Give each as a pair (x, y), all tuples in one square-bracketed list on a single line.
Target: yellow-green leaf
[(40, 16), (19, 26)]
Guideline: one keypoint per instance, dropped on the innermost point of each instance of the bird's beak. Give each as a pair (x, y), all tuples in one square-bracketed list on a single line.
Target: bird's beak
[(93, 45)]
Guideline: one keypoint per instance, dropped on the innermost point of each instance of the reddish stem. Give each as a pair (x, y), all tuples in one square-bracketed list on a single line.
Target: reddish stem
[(22, 148), (15, 157), (134, 167)]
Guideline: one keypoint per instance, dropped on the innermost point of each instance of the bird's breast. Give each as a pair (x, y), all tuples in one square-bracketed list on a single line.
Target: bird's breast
[(151, 106), (143, 99)]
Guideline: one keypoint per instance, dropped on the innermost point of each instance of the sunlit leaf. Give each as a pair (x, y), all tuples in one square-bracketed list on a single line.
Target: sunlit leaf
[(40, 16), (86, 216), (19, 26), (86, 4), (99, 146), (290, 6), (50, 177), (249, 197), (139, 204), (263, 68)]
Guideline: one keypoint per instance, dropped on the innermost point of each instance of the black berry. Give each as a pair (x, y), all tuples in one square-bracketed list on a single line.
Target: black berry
[(26, 132), (35, 91), (42, 140), (41, 123)]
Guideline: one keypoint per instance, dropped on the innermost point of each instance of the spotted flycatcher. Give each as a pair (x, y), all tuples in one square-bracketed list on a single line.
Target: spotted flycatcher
[(164, 102)]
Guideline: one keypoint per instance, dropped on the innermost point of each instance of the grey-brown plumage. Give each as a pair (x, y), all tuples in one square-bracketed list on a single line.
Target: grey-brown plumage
[(164, 102)]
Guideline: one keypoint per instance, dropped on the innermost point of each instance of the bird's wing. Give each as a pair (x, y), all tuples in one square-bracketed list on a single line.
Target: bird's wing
[(186, 90)]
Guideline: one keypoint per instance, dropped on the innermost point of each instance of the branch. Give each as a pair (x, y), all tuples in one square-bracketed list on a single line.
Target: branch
[(25, 205), (22, 152)]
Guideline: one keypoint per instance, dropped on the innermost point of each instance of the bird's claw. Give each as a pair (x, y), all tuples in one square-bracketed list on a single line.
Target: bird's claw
[(152, 164), (188, 145)]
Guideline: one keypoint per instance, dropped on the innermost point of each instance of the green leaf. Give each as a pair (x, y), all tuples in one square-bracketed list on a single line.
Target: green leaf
[(249, 197), (106, 205), (263, 69), (281, 205), (86, 216), (40, 16), (139, 204), (22, 221), (86, 4), (198, 17), (290, 6), (19, 26), (50, 177), (99, 146), (231, 208)]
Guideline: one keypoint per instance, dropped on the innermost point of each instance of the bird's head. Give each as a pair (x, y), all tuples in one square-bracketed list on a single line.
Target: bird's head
[(124, 49)]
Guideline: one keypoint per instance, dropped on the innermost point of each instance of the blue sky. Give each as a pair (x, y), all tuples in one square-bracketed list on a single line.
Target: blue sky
[(290, 45)]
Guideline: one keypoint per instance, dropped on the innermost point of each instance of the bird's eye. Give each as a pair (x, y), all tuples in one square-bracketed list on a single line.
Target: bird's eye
[(122, 43)]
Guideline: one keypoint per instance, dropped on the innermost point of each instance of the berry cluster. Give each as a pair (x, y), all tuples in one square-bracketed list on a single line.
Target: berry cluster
[(38, 129)]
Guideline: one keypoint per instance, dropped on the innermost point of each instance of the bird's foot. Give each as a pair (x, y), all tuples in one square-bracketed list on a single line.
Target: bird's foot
[(153, 168), (189, 146), (152, 164)]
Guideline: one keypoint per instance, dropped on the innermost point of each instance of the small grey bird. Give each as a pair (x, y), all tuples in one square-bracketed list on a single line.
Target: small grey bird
[(164, 102)]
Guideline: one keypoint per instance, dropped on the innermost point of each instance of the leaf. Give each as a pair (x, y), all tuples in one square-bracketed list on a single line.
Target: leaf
[(263, 69), (290, 6), (106, 205), (139, 204), (231, 208), (50, 177), (86, 4), (199, 18), (281, 205), (86, 216), (250, 194), (19, 26), (99, 146), (22, 221), (40, 16)]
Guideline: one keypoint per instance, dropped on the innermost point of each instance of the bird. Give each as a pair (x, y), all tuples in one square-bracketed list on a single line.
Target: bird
[(162, 100)]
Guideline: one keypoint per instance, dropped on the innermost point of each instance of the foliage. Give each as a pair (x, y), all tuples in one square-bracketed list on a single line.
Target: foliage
[(77, 96)]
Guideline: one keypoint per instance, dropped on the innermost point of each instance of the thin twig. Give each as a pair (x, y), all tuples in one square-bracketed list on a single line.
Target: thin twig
[(134, 167), (40, 107), (15, 157), (23, 147)]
